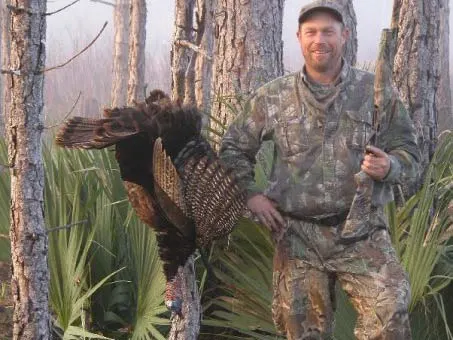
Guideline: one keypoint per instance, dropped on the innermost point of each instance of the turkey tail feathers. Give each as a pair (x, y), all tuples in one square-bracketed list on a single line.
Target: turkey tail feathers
[(88, 133), (80, 132)]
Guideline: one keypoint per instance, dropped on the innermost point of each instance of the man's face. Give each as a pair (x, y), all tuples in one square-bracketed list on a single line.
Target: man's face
[(322, 39)]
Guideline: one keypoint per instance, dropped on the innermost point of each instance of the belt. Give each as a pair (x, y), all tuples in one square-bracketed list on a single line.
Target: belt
[(326, 221)]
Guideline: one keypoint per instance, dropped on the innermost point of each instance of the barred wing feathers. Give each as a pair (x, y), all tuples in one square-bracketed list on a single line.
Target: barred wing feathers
[(167, 186), (214, 200)]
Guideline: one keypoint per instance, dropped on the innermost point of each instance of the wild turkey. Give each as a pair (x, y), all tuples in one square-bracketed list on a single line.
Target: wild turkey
[(173, 179)]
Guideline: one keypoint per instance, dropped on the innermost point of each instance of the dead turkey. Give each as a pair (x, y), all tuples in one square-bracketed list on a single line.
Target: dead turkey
[(174, 180)]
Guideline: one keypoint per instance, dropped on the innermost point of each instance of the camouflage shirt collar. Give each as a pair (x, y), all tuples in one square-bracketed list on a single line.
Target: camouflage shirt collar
[(319, 96)]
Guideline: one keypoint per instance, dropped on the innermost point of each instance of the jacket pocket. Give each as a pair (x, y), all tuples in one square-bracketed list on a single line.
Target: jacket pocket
[(291, 136), (359, 129)]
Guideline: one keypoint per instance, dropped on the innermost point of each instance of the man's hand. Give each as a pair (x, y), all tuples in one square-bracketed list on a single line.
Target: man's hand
[(266, 212), (376, 163)]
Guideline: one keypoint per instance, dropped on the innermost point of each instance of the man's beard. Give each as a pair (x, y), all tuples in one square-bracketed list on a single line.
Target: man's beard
[(320, 66)]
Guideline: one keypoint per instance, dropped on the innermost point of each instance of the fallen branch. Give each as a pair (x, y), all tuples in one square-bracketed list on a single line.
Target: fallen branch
[(68, 114), (193, 47), (62, 9), (78, 54)]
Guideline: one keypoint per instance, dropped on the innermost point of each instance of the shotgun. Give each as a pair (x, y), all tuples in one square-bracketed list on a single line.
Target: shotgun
[(357, 223)]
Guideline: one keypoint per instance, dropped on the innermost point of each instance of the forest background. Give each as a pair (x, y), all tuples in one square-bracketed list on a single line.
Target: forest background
[(72, 29)]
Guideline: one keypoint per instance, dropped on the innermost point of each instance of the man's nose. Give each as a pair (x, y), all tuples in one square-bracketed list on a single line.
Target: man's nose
[(319, 38)]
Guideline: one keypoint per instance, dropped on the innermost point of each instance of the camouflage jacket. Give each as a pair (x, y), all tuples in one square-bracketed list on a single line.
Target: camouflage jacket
[(318, 150)]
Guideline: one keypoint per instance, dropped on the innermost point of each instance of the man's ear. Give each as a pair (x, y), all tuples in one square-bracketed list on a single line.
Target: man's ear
[(346, 34)]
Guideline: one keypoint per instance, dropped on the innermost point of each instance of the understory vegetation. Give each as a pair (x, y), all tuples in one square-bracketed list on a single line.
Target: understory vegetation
[(107, 281)]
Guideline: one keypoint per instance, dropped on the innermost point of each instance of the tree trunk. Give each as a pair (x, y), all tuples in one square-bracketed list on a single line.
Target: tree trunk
[(5, 82), (191, 52), (187, 327), (136, 84), (30, 276), (350, 20), (443, 99), (1, 67), (248, 53), (120, 53), (416, 68), (181, 56), (203, 64)]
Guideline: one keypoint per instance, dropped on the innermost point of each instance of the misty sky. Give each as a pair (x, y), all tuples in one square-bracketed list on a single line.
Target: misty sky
[(78, 24)]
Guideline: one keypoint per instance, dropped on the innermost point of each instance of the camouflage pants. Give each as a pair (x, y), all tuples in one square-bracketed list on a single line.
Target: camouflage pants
[(308, 262)]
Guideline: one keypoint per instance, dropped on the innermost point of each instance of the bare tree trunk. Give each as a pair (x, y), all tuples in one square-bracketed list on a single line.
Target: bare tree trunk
[(443, 99), (203, 64), (1, 67), (187, 327), (416, 67), (120, 53), (30, 276), (181, 55), (183, 60), (248, 53), (191, 52), (350, 20), (5, 82), (189, 85), (136, 84)]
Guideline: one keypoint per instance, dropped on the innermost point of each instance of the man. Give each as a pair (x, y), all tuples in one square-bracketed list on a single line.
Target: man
[(320, 120)]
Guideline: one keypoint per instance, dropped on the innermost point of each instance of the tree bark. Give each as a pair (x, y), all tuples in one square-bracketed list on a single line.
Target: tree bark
[(181, 56), (136, 83), (191, 52), (247, 53), (30, 277), (350, 21), (203, 64), (416, 70), (5, 83), (1, 67), (183, 59), (120, 53), (443, 99), (187, 327)]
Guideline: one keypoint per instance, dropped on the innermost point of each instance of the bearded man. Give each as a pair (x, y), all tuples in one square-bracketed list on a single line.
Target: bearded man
[(320, 120)]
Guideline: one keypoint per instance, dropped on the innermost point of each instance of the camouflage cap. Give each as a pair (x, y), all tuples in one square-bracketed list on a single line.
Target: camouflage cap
[(330, 6)]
